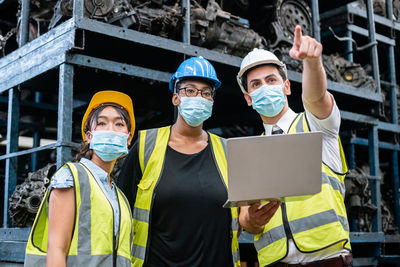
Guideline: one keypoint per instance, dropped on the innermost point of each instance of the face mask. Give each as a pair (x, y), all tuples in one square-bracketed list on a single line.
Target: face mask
[(109, 145), (195, 110), (268, 100)]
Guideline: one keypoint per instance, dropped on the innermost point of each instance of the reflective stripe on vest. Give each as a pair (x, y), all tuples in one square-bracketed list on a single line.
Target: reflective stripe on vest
[(312, 229), (152, 147), (93, 210)]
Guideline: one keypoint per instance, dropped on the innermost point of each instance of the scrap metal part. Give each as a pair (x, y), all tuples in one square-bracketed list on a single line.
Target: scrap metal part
[(26, 199), (217, 29)]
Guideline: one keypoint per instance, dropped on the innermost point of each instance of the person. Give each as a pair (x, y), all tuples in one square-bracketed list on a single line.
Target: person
[(84, 219), (314, 231), (175, 178)]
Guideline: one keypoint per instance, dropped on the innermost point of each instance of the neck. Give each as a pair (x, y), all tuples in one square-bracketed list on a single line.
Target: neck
[(107, 166), (276, 118), (183, 129)]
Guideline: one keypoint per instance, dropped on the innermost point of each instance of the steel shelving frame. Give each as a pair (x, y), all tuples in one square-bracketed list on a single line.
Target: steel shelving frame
[(62, 48)]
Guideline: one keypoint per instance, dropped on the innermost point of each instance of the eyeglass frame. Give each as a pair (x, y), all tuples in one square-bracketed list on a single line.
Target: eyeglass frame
[(197, 91)]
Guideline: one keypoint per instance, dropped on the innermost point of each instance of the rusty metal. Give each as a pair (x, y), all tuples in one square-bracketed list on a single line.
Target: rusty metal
[(26, 199)]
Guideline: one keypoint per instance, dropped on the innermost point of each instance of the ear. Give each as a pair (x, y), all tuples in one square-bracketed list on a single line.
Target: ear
[(88, 137), (175, 99), (287, 90), (129, 139), (248, 99)]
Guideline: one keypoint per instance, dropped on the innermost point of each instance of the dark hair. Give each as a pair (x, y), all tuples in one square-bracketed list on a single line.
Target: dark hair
[(84, 150), (244, 77)]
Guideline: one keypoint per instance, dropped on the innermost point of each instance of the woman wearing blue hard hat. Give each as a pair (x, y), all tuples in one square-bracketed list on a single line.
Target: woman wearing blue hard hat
[(175, 179)]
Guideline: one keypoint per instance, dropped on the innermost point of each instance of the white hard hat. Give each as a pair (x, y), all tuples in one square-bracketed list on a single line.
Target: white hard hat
[(255, 58)]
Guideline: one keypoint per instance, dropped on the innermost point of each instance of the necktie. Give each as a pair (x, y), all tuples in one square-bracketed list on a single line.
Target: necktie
[(276, 130)]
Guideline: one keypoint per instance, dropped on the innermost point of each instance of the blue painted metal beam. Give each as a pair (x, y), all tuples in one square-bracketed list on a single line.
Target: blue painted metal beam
[(374, 48), (186, 24), (375, 185), (122, 68), (78, 9), (32, 104), (343, 88), (24, 28), (11, 172), (157, 42), (364, 237), (38, 149), (65, 107), (36, 57), (364, 32), (396, 186), (315, 20)]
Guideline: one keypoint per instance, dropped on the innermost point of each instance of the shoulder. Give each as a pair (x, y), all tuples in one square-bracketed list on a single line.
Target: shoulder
[(62, 178), (329, 125)]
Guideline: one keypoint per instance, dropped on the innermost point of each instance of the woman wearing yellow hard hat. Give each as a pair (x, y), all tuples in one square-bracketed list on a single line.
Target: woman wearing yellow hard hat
[(84, 219)]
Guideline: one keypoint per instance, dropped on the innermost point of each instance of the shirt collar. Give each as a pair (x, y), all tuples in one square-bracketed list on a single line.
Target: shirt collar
[(95, 170), (284, 122)]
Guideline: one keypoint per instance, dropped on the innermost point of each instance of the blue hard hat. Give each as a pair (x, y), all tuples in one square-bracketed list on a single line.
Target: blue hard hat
[(197, 67)]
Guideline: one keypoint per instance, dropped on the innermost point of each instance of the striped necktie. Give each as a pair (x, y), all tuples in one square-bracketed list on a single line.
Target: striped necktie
[(276, 130)]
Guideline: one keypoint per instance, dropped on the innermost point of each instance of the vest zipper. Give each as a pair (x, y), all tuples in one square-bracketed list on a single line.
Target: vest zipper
[(288, 232)]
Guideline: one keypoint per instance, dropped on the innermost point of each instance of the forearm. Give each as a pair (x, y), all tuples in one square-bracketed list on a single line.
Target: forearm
[(314, 81), (56, 257)]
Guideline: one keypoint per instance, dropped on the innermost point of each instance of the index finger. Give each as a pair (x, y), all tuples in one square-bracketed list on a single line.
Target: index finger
[(297, 36)]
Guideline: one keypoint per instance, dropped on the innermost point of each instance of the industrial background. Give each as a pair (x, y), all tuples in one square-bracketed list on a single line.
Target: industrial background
[(54, 55)]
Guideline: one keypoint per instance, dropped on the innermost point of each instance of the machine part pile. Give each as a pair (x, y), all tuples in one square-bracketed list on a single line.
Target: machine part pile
[(119, 12), (217, 29), (26, 199)]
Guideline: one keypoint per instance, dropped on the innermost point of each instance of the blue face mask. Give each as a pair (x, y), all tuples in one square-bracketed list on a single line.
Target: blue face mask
[(195, 110), (109, 145), (268, 100)]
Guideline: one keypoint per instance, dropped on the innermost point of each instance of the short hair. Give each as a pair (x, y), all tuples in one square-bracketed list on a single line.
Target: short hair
[(280, 70)]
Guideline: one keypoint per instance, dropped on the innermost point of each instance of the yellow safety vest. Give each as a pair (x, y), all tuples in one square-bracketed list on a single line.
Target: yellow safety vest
[(93, 242), (315, 223), (152, 147)]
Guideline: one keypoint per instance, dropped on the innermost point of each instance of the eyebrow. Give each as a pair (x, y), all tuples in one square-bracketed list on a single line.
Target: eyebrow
[(116, 117), (266, 77), (190, 84)]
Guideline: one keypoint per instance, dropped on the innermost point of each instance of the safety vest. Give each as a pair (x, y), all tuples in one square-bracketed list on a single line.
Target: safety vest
[(152, 147), (313, 223), (93, 241)]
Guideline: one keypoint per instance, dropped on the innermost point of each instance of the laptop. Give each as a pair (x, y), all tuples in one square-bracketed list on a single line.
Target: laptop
[(283, 167)]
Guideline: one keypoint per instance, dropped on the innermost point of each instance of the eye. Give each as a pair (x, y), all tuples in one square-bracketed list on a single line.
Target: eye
[(100, 123), (255, 84), (190, 91), (207, 93), (271, 80)]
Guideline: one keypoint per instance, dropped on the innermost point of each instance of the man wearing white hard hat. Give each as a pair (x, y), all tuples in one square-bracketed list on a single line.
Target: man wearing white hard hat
[(315, 231)]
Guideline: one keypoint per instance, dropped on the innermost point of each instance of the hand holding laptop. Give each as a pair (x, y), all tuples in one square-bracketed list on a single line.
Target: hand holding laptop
[(259, 214)]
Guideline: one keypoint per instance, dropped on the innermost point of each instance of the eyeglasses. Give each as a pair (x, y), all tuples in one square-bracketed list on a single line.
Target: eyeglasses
[(193, 92)]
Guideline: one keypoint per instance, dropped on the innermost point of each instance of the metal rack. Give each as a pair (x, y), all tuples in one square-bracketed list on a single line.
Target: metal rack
[(67, 49)]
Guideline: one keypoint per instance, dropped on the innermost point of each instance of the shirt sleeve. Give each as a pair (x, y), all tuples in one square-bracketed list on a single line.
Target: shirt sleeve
[(329, 125), (62, 179), (130, 174), (330, 141)]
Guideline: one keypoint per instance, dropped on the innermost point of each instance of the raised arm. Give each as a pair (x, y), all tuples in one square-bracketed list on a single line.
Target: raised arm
[(315, 96)]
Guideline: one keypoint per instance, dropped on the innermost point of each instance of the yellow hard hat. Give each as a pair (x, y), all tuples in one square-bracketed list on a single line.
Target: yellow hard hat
[(109, 97)]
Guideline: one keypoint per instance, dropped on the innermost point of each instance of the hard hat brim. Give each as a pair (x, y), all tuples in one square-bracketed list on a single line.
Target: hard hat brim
[(109, 97)]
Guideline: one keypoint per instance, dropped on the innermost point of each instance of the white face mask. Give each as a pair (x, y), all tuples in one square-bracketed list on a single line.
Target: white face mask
[(268, 100), (109, 145), (195, 110)]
